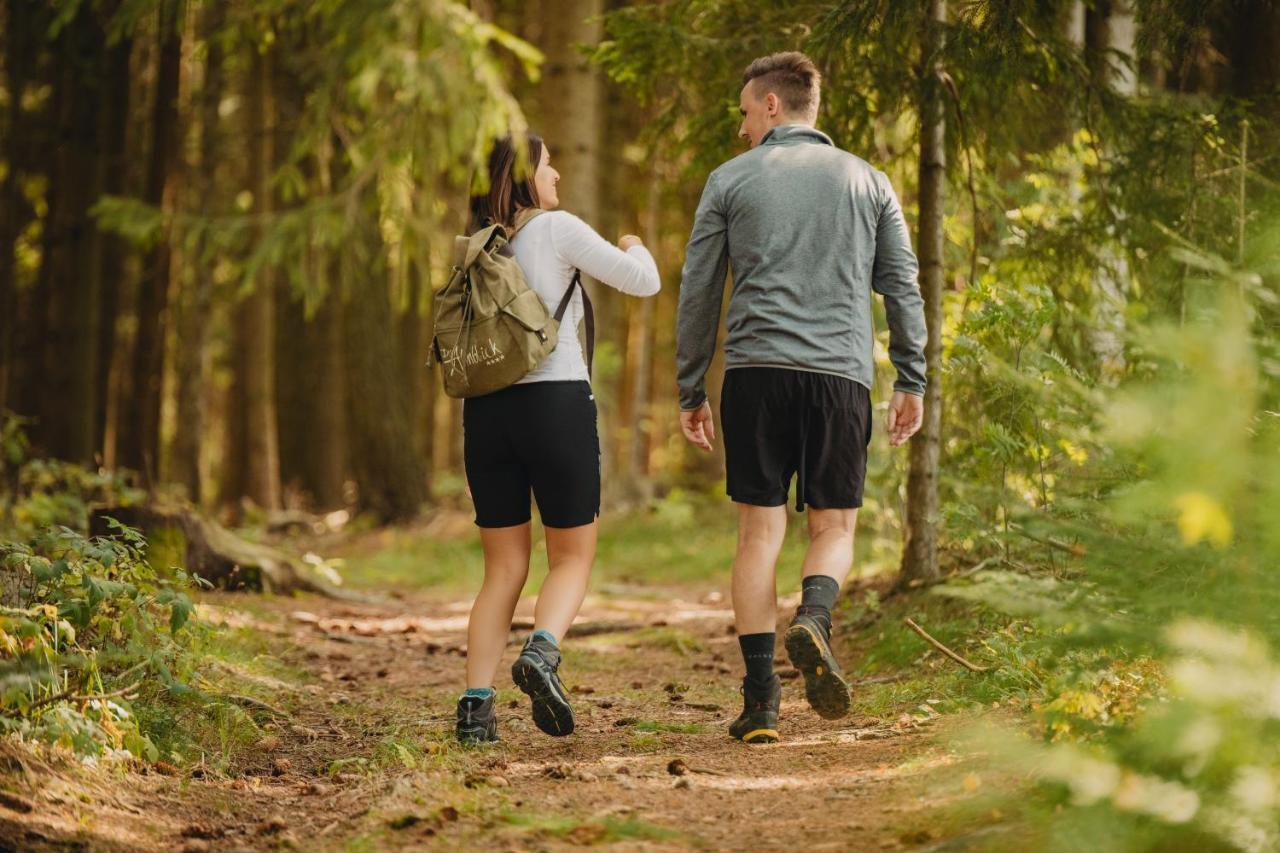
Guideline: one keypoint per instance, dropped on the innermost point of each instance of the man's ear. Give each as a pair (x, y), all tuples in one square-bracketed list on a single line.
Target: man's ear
[(772, 104)]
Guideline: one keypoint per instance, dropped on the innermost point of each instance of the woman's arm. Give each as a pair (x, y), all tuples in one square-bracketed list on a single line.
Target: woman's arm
[(577, 244)]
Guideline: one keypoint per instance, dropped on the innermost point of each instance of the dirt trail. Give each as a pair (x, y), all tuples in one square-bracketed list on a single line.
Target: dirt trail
[(361, 754)]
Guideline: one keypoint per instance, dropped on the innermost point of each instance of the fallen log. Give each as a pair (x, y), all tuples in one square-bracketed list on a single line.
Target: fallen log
[(215, 554)]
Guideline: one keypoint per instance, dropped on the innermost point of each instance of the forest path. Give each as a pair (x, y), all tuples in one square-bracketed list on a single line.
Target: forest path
[(359, 752)]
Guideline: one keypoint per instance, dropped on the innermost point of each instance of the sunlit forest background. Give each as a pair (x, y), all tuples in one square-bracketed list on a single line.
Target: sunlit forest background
[(221, 225)]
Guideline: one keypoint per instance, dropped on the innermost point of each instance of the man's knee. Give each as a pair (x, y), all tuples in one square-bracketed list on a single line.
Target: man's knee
[(761, 527), (835, 520)]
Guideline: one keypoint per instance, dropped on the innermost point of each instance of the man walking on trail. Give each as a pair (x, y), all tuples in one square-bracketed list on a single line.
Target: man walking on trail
[(809, 231)]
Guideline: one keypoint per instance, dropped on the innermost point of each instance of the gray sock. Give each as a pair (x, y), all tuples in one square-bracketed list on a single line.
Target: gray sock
[(818, 596)]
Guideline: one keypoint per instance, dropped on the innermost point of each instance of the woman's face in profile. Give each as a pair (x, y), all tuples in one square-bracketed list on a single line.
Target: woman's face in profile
[(544, 180)]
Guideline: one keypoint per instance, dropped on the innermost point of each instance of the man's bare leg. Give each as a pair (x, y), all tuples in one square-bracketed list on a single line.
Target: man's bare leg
[(761, 531), (826, 565)]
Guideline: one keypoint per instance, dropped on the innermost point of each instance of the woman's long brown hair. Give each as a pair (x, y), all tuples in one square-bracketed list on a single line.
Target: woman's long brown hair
[(507, 192)]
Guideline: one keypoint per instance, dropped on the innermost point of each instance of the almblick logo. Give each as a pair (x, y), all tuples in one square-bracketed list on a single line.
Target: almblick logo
[(486, 353)]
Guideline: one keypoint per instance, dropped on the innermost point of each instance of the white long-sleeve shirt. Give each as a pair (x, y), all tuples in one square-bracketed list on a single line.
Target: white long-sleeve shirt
[(548, 250)]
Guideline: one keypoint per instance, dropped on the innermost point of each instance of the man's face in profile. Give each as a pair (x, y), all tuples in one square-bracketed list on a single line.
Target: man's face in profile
[(755, 114)]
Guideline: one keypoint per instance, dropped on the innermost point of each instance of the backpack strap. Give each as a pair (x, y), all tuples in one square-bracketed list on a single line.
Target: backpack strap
[(588, 314), (523, 218)]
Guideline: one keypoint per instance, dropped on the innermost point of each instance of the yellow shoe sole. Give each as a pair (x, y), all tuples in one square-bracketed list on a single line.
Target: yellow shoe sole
[(761, 736)]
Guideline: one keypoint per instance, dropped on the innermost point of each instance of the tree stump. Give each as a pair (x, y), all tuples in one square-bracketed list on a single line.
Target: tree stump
[(215, 554)]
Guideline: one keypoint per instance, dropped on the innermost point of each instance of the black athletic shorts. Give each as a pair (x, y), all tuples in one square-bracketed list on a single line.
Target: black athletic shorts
[(540, 436), (778, 423)]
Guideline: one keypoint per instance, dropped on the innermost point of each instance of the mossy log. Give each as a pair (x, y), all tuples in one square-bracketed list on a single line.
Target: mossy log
[(214, 553)]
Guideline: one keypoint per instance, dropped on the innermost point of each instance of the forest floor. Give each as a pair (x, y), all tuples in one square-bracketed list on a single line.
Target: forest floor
[(353, 745)]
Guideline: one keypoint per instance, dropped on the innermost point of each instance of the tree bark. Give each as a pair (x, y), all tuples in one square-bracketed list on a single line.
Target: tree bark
[(196, 304), (326, 459), (112, 248), (389, 472), (920, 550), (68, 266), (1114, 32), (140, 445), (22, 35), (256, 324)]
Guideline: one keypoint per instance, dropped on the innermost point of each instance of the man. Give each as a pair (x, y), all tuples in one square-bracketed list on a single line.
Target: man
[(809, 231)]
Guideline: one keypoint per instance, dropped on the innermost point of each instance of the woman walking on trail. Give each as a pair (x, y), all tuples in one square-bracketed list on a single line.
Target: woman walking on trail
[(538, 434)]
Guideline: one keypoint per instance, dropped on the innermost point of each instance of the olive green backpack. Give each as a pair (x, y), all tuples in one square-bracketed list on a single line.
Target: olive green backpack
[(491, 328)]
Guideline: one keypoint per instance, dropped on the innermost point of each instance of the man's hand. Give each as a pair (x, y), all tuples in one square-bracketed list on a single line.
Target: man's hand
[(698, 426), (627, 241), (906, 411)]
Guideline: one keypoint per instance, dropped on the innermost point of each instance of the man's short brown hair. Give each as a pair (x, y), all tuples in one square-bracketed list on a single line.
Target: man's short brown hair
[(791, 76)]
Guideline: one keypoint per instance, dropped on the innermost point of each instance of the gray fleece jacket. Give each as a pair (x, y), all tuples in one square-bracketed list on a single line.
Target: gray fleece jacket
[(810, 231)]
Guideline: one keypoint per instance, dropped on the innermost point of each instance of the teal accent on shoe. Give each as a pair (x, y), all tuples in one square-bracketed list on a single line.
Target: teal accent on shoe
[(479, 692), (544, 634)]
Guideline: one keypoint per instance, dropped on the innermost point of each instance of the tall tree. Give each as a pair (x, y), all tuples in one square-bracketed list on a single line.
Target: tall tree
[(111, 252), (1114, 63), (196, 301), (67, 266), (140, 444), (390, 474), (255, 321), (920, 550)]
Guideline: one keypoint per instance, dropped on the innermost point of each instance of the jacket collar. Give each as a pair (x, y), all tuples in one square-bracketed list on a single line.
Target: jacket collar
[(785, 133)]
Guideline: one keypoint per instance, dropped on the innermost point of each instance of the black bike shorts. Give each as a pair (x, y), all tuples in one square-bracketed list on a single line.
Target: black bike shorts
[(778, 423), (540, 436)]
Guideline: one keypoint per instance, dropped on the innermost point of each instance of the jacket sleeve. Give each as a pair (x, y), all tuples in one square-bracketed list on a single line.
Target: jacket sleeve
[(576, 243), (706, 263), (894, 276)]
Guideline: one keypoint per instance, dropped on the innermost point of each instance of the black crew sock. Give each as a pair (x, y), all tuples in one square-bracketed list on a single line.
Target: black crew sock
[(757, 653), (817, 598)]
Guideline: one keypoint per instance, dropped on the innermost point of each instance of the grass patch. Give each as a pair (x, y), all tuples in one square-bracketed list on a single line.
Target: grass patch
[(676, 640), (673, 728), (604, 830), (691, 544)]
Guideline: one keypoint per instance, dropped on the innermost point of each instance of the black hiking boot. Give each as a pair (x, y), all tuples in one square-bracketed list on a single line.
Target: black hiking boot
[(477, 720), (758, 722), (810, 652), (534, 672)]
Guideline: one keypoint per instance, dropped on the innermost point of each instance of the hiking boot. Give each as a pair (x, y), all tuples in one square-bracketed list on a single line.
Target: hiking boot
[(810, 652), (477, 720), (758, 722), (534, 672)]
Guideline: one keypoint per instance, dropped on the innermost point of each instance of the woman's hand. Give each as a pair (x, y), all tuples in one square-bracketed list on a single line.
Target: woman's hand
[(626, 241)]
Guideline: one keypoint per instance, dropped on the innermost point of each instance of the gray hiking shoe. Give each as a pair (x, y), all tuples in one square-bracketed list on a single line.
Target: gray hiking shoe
[(534, 672)]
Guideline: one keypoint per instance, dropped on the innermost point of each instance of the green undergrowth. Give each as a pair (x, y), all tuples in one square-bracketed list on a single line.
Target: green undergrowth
[(1028, 667), (102, 654)]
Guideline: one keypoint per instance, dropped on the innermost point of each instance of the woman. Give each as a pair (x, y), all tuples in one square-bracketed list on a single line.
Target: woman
[(539, 435)]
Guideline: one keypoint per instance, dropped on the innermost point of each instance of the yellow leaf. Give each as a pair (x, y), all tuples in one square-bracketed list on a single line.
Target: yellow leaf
[(1201, 517)]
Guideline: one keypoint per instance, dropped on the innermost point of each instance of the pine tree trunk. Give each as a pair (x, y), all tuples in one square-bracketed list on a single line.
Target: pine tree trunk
[(112, 248), (326, 459), (573, 122), (19, 40), (389, 473), (196, 304), (920, 550), (140, 442), (1114, 33), (256, 324), (69, 266)]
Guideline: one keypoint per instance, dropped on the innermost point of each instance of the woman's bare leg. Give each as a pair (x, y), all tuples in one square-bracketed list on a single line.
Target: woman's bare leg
[(570, 553), (506, 567)]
